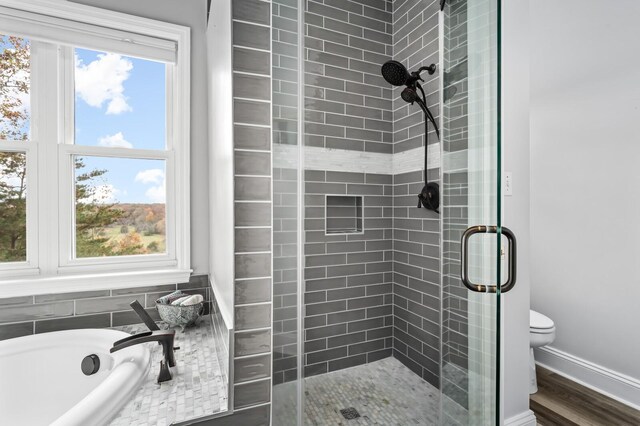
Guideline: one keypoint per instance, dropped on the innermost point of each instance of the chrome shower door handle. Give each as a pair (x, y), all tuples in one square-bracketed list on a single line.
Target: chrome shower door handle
[(464, 256)]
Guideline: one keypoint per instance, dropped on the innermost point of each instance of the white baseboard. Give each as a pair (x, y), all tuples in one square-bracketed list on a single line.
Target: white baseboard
[(526, 418), (601, 379)]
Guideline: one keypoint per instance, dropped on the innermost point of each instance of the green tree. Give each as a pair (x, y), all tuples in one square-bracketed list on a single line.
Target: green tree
[(15, 73), (14, 86), (13, 207), (153, 247), (93, 214)]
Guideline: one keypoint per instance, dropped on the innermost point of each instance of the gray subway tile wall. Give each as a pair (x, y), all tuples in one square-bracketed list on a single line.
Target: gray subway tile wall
[(416, 232), (22, 316), (348, 290), (251, 138), (248, 369), (252, 163), (252, 110), (252, 393), (348, 104), (415, 43)]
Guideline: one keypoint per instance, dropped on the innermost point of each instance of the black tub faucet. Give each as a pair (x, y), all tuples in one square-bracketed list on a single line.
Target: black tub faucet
[(163, 337), (144, 316)]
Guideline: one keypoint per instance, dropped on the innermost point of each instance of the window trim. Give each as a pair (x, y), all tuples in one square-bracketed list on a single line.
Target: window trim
[(45, 272)]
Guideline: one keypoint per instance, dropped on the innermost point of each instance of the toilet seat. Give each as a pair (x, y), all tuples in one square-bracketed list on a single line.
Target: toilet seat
[(539, 323), (542, 331)]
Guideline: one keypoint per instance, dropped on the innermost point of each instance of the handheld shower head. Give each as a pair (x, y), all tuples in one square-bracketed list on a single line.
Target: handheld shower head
[(395, 73), (409, 95)]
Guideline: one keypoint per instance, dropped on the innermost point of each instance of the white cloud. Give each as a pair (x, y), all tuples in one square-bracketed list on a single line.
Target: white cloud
[(114, 141), (150, 176), (158, 192), (118, 105), (103, 194), (102, 81)]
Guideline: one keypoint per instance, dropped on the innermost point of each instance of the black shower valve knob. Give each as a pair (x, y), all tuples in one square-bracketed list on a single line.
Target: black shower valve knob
[(429, 197)]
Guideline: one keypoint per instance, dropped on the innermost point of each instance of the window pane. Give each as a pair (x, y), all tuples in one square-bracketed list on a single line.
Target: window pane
[(120, 206), (13, 207), (120, 101), (15, 73)]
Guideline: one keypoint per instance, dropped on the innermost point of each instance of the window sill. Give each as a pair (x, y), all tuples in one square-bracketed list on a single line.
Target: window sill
[(27, 286)]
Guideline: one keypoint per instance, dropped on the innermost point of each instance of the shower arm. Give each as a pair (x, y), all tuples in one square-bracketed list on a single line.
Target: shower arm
[(414, 77), (431, 69)]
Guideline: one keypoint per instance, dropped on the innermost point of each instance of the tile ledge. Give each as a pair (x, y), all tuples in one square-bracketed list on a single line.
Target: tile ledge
[(28, 286)]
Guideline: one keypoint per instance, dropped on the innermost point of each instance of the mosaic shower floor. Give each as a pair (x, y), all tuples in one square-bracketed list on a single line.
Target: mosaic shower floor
[(384, 392)]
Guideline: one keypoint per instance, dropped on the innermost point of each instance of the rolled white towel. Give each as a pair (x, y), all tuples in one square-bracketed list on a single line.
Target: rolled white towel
[(166, 300), (179, 301), (192, 300)]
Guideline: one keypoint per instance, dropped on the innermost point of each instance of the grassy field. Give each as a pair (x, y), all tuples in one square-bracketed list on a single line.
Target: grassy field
[(114, 234)]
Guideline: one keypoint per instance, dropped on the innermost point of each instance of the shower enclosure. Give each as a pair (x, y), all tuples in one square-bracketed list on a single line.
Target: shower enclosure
[(383, 310)]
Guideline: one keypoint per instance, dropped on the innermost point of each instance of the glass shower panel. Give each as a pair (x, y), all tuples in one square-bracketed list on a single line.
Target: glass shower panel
[(471, 152), (286, 373)]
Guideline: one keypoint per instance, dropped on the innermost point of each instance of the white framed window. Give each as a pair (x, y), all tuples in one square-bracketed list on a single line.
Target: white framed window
[(94, 149)]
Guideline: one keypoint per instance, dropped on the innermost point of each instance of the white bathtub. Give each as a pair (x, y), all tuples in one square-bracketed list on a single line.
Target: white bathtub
[(41, 382)]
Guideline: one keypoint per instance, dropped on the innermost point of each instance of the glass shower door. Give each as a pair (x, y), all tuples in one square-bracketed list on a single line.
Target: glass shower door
[(288, 190), (472, 232)]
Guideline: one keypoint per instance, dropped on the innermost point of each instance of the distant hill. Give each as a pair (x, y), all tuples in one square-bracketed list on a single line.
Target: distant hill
[(146, 219)]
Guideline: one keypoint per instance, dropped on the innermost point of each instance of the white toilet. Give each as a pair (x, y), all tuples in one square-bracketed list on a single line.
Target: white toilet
[(542, 332)]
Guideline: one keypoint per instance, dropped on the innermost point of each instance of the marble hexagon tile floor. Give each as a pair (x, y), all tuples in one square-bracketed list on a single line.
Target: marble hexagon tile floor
[(384, 392)]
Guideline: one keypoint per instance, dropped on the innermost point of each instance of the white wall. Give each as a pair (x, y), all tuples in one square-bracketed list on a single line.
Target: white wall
[(220, 86), (585, 200), (515, 149), (190, 13)]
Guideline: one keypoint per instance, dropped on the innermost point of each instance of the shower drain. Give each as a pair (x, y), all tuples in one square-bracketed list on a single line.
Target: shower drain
[(350, 413)]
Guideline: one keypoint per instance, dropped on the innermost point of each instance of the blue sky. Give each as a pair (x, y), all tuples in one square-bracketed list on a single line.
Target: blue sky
[(120, 101)]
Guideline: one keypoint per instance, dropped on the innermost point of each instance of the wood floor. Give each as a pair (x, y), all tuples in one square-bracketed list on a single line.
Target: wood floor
[(562, 402)]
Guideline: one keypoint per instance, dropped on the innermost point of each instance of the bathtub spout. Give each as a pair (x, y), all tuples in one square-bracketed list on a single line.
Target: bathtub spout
[(164, 337)]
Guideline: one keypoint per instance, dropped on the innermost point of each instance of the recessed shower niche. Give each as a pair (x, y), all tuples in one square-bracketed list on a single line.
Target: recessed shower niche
[(343, 214)]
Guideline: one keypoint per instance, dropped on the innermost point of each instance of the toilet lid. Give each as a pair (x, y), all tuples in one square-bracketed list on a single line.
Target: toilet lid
[(539, 321)]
